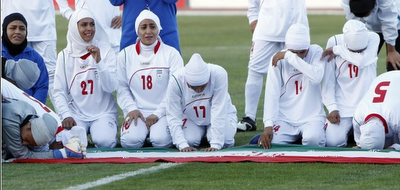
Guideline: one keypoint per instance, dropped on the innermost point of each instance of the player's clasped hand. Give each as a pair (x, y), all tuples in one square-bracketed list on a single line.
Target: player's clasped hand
[(95, 52), (334, 117), (68, 123), (266, 138)]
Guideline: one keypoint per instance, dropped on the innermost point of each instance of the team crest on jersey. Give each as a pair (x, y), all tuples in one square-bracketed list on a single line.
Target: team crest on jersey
[(159, 73), (96, 74)]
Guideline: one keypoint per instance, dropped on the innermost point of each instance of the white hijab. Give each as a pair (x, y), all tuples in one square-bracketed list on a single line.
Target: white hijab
[(76, 46), (146, 14)]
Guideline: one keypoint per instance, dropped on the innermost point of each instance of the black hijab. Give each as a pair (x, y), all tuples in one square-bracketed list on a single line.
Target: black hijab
[(14, 49)]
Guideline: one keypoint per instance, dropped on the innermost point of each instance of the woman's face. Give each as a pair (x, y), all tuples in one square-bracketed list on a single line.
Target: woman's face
[(86, 29), (148, 31), (26, 135), (16, 32)]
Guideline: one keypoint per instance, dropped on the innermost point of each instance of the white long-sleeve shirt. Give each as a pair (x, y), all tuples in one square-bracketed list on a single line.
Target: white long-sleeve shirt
[(383, 18), (293, 91), (349, 75), (276, 16), (84, 88), (103, 12), (209, 107), (381, 101), (39, 14), (253, 10), (143, 76)]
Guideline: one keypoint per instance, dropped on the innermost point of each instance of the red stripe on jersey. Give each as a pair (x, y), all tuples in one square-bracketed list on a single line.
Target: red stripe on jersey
[(379, 117), (59, 129), (85, 56)]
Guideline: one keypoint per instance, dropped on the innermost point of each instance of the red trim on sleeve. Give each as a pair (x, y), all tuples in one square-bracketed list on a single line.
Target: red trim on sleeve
[(379, 117)]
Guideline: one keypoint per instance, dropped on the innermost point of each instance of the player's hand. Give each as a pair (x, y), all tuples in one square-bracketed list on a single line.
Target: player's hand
[(390, 148), (68, 123), (209, 149), (328, 52), (151, 120), (334, 117), (393, 57), (253, 26), (116, 22), (266, 138), (356, 147), (95, 52), (188, 149), (278, 56), (133, 116)]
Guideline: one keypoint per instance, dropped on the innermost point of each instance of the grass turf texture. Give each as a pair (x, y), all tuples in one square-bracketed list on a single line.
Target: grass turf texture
[(223, 40)]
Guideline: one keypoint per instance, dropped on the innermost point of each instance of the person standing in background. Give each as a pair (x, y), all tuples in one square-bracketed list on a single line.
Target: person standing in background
[(274, 19), (382, 17), (108, 19), (164, 9)]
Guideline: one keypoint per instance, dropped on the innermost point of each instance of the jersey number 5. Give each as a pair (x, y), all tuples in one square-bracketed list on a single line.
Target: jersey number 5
[(380, 92)]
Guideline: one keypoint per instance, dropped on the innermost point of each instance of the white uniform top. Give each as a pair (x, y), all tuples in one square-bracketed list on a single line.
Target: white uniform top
[(143, 80), (39, 15), (349, 75), (253, 10), (276, 16), (209, 107), (382, 100), (103, 12), (84, 87), (383, 18), (293, 91)]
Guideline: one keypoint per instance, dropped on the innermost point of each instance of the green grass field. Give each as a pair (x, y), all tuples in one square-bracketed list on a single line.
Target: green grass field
[(223, 40)]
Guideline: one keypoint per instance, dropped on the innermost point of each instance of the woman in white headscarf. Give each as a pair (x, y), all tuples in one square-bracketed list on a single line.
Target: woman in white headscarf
[(85, 81), (144, 69), (293, 104)]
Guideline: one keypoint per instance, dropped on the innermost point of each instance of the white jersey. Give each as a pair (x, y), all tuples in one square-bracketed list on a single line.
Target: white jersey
[(84, 88), (293, 91), (383, 18), (276, 16), (143, 80), (39, 14), (209, 107), (349, 75), (381, 101), (103, 12)]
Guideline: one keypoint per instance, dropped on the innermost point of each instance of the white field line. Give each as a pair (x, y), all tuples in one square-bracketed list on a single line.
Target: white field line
[(111, 179)]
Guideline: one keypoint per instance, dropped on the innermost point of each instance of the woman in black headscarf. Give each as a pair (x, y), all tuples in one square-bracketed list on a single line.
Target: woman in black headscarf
[(14, 46)]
